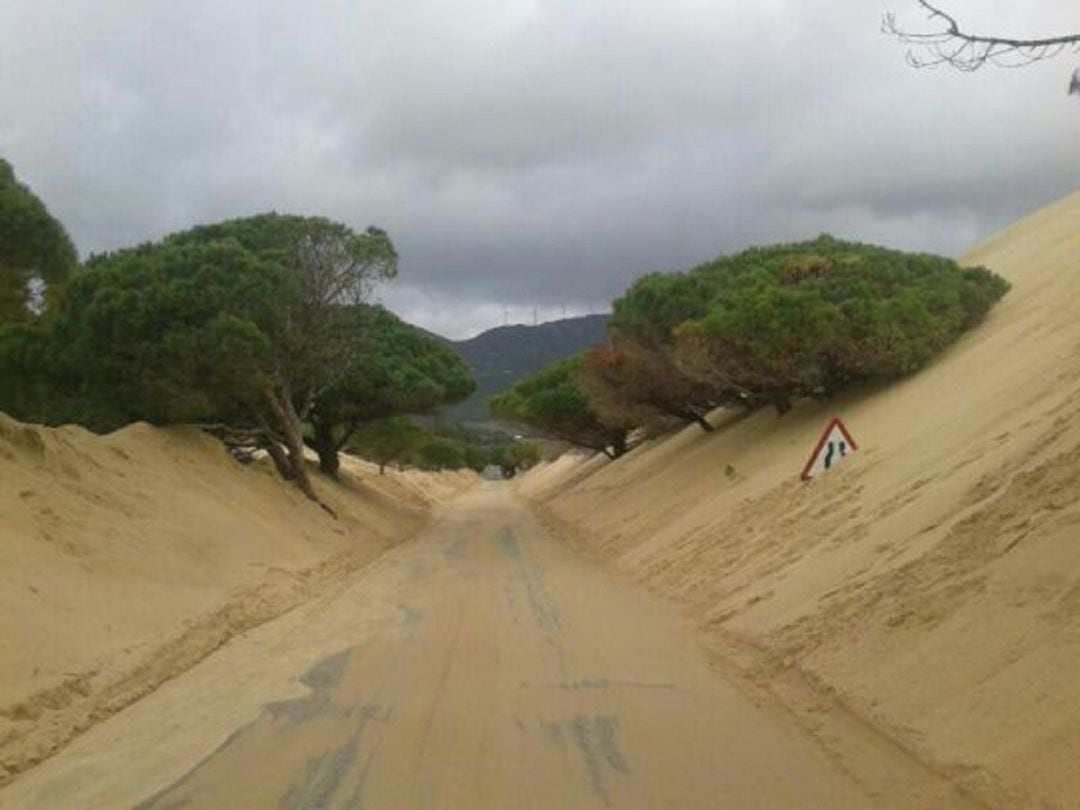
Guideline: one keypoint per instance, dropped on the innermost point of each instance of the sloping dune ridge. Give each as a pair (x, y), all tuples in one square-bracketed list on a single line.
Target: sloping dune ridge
[(931, 583), (125, 559)]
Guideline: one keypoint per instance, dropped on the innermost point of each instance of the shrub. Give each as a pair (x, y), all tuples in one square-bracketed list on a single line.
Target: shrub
[(441, 453), (552, 403), (773, 324)]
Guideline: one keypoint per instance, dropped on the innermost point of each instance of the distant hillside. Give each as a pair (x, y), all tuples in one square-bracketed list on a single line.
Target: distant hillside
[(500, 357)]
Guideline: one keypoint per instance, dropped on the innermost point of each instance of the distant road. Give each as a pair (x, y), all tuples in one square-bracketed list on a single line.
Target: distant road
[(481, 665)]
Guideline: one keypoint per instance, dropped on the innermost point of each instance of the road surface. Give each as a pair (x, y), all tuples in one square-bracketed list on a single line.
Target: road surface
[(481, 665)]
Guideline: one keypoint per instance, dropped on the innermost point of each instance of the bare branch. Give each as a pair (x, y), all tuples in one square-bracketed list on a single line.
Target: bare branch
[(949, 44)]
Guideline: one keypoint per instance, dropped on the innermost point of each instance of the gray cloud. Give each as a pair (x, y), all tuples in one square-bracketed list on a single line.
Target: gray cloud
[(527, 152)]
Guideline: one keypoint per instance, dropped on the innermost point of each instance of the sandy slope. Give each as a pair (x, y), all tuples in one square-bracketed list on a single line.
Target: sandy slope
[(932, 583), (484, 666), (126, 558)]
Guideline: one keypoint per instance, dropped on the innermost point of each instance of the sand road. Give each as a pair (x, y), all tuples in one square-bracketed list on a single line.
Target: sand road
[(481, 665)]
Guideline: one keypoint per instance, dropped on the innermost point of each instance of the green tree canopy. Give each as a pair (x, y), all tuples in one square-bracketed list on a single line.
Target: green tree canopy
[(552, 403), (388, 440), (238, 322), (400, 440), (772, 324), (629, 382), (514, 457), (394, 368), (329, 266), (178, 333), (442, 453), (34, 247)]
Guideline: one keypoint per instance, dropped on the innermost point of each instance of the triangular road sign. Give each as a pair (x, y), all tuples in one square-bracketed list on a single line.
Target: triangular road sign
[(833, 447)]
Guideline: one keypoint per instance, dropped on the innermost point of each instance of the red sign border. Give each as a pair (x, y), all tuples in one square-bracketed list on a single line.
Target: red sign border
[(836, 422)]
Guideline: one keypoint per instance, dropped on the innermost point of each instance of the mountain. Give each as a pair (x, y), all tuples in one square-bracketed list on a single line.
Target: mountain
[(500, 357)]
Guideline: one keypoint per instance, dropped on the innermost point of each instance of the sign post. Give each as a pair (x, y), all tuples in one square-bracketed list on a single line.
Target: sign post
[(833, 447)]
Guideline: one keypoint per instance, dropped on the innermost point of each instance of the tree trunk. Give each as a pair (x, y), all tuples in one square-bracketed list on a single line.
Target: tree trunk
[(280, 460), (347, 434), (782, 403), (326, 447), (702, 422), (289, 424), (690, 415)]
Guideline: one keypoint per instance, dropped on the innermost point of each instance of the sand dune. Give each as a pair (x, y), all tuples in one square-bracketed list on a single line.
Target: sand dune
[(480, 665), (932, 582), (126, 558)]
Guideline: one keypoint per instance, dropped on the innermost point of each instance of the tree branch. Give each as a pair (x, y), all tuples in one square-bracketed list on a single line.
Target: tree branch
[(350, 428), (953, 46)]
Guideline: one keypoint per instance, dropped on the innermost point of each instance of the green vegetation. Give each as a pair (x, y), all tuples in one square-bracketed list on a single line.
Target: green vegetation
[(552, 403), (257, 325), (763, 327), (34, 248), (166, 334), (260, 328), (394, 368), (442, 453), (628, 382), (770, 325), (391, 440), (514, 457), (401, 441)]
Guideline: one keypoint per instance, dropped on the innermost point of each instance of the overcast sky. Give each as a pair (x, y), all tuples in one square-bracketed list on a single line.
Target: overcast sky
[(530, 153)]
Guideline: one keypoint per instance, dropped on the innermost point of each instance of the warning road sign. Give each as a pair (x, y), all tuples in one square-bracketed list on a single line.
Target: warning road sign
[(833, 447)]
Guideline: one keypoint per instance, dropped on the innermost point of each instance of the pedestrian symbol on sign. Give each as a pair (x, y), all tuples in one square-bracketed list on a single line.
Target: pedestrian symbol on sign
[(833, 447)]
